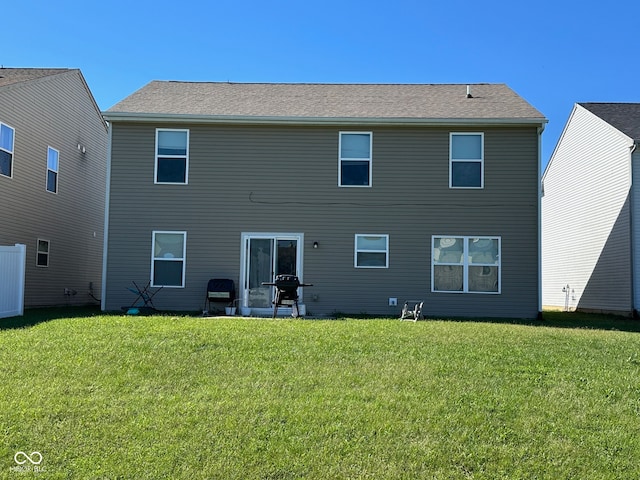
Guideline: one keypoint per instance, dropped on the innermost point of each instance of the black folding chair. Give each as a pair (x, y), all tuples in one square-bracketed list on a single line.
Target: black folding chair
[(144, 295), (221, 290)]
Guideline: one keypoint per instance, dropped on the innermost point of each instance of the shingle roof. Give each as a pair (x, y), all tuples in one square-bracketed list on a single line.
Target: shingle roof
[(327, 101), (622, 116), (9, 76)]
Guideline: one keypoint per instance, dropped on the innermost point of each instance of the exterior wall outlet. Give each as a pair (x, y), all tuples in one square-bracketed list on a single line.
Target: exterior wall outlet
[(393, 302)]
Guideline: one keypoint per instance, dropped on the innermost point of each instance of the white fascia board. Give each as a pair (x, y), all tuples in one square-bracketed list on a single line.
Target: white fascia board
[(254, 120)]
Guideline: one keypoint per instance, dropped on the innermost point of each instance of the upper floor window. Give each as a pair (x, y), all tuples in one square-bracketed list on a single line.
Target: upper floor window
[(466, 160), (6, 150), (168, 262), (372, 251), (42, 254), (172, 156), (354, 163), (52, 169), (465, 264)]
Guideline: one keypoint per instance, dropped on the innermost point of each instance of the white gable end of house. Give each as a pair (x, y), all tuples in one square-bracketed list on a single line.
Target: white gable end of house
[(585, 217)]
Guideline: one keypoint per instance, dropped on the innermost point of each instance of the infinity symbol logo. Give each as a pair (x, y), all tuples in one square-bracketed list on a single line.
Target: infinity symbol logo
[(28, 458)]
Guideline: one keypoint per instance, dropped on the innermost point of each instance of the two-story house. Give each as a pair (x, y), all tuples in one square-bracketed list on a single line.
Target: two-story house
[(53, 150), (375, 194), (591, 208)]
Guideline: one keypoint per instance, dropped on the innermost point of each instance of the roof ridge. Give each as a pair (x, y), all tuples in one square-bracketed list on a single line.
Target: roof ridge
[(326, 83), (608, 103), (53, 70)]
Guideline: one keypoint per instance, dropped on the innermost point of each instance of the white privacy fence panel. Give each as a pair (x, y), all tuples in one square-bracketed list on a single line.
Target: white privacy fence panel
[(12, 274)]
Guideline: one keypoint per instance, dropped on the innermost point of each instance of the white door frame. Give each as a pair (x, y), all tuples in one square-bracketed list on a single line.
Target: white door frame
[(244, 265)]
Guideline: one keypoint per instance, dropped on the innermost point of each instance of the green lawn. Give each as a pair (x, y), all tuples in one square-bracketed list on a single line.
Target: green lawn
[(202, 398)]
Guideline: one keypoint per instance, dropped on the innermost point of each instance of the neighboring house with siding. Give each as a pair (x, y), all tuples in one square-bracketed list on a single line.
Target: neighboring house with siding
[(369, 192), (590, 226), (53, 150)]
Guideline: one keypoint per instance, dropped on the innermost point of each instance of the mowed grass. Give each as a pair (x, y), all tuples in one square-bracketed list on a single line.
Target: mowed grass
[(201, 398)]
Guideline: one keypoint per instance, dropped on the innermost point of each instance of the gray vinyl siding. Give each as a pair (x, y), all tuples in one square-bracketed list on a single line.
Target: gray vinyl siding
[(586, 218), (56, 111), (285, 179)]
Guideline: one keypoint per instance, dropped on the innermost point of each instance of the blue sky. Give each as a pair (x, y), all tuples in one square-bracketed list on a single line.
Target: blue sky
[(553, 53)]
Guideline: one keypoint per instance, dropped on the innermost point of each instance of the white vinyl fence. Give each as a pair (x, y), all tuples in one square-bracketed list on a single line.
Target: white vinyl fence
[(13, 261)]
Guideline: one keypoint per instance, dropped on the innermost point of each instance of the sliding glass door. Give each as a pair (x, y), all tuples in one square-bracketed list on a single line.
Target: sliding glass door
[(264, 257)]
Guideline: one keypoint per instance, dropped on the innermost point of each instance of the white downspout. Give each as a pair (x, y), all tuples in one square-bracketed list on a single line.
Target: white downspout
[(634, 240), (105, 243), (540, 130)]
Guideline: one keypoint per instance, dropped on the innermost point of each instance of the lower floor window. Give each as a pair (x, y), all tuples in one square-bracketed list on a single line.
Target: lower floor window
[(42, 255), (372, 251), (168, 262), (465, 264)]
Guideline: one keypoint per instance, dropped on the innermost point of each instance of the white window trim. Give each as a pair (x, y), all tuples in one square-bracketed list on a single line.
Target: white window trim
[(467, 160), (356, 251), (370, 159), (13, 149), (186, 157), (175, 259), (47, 253), (465, 264), (46, 181)]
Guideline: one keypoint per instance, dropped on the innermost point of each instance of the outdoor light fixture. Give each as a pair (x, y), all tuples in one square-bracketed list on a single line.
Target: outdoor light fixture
[(82, 149), (315, 244)]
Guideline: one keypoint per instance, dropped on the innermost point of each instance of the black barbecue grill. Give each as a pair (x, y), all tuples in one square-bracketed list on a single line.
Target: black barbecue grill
[(286, 292)]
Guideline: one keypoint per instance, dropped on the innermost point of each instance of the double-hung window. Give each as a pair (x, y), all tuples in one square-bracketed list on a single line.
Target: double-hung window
[(52, 169), (354, 159), (172, 156), (371, 251), (42, 253), (466, 160), (6, 150), (465, 264), (169, 259)]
